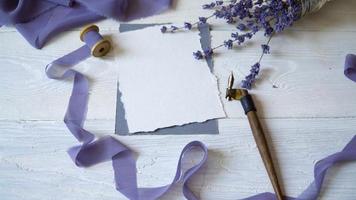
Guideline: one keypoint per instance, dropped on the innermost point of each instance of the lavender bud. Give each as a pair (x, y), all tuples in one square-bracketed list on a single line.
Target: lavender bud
[(255, 68), (249, 79), (241, 27), (235, 35), (206, 6), (218, 14), (265, 49), (228, 44), (268, 31), (259, 2), (219, 3), (174, 28), (208, 53), (241, 39), (187, 25), (245, 84), (230, 20), (202, 20), (198, 55), (248, 35), (164, 29), (255, 29), (209, 6), (250, 24)]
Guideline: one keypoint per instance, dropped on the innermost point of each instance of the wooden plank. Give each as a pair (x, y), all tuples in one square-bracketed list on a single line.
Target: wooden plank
[(307, 68), (302, 77), (26, 89), (34, 164)]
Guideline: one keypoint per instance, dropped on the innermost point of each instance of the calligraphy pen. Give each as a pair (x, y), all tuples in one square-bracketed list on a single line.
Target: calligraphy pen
[(257, 131)]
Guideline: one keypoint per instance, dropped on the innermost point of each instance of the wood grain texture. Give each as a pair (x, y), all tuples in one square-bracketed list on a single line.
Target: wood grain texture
[(309, 114), (34, 163)]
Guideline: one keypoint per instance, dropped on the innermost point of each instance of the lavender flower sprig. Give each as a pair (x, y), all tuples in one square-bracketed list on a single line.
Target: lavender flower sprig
[(249, 17), (186, 25), (255, 68)]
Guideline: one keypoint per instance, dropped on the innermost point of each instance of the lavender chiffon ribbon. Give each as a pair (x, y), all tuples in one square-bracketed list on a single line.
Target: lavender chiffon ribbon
[(94, 151), (350, 67), (320, 169), (40, 20)]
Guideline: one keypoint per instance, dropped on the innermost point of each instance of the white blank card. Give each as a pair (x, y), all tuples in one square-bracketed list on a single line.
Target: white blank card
[(162, 85)]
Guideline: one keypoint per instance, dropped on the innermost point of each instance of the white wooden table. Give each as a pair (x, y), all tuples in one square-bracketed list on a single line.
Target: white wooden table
[(310, 114)]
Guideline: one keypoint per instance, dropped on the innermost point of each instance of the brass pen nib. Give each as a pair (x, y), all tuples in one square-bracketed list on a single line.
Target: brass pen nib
[(231, 81), (230, 84), (232, 93)]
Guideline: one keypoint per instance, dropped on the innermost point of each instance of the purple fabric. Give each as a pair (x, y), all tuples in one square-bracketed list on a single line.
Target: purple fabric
[(350, 67), (21, 11), (67, 3), (40, 20)]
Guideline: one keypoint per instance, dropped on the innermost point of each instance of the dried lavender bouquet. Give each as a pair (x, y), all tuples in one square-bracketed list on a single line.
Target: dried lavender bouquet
[(250, 17)]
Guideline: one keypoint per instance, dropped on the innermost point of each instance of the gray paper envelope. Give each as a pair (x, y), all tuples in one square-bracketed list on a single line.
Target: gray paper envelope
[(208, 127)]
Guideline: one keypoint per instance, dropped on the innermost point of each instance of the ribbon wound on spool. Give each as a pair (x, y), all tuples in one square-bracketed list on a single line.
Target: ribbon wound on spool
[(98, 45)]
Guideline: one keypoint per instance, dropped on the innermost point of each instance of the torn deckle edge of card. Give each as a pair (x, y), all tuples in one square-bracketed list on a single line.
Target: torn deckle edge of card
[(161, 84)]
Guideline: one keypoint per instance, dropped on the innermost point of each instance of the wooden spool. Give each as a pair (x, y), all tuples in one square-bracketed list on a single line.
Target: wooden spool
[(102, 47)]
